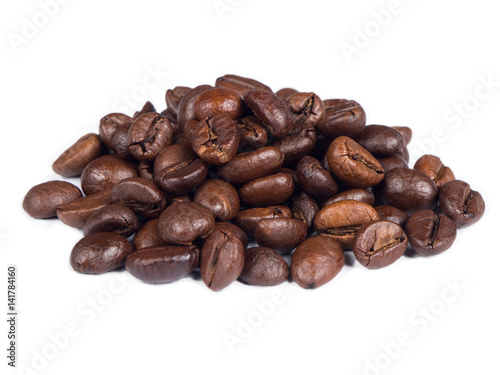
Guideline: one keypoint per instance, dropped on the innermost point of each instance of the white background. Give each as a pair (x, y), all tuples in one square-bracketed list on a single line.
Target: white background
[(415, 69)]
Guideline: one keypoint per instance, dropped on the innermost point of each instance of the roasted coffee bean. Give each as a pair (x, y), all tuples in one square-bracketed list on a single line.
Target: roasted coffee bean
[(433, 167), (109, 124), (218, 101), (249, 219), (392, 214), (339, 104), (304, 208), (291, 172), (405, 154), (147, 108), (239, 84), (173, 98), (361, 195), (342, 220), (220, 198), (179, 199), (307, 107), (430, 234), (185, 110), (146, 170), (298, 143), (408, 189), (280, 234), (314, 179), (216, 140), (379, 244), (162, 264), (183, 177), (251, 165), (345, 118), (100, 252), (72, 161), (114, 218), (76, 213), (316, 262), (253, 134), (222, 260), (271, 111), (148, 236), (171, 155), (353, 164), (406, 132), (389, 163), (381, 140), (460, 203), (141, 196), (119, 143), (42, 201), (264, 267), (285, 93), (148, 135), (232, 230), (182, 223), (267, 191), (104, 172)]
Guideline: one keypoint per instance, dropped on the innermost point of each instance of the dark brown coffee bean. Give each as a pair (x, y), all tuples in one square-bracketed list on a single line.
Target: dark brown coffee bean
[(314, 179), (342, 220), (379, 244), (183, 177), (141, 196), (171, 155), (392, 214), (271, 111), (291, 172), (146, 170), (42, 200), (253, 134), (148, 236), (353, 164), (249, 219), (76, 213), (185, 110), (268, 191), (251, 165), (232, 230), (304, 208), (307, 107), (222, 260), (147, 108), (179, 199), (460, 203), (405, 154), (218, 101), (119, 143), (72, 161), (430, 234), (316, 262), (361, 195), (433, 167), (264, 267), (347, 118), (239, 84), (408, 189), (285, 93), (114, 218), (220, 197), (406, 132), (104, 172), (339, 104), (381, 140), (280, 234), (182, 223), (173, 98), (163, 264), (148, 135), (109, 124), (389, 163), (298, 143), (100, 253), (216, 140)]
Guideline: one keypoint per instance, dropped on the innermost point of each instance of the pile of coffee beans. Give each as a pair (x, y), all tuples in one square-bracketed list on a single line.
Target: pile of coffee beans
[(236, 161)]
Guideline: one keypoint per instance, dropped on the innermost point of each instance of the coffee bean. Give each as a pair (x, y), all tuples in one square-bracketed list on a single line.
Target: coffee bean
[(76, 212), (232, 230), (104, 172), (392, 214), (408, 189), (298, 143), (379, 244), (430, 234), (173, 98), (342, 118), (148, 107), (307, 107), (100, 253), (146, 170), (42, 201), (183, 177), (114, 218), (434, 168), (185, 110), (285, 93), (222, 260), (280, 234), (162, 264), (119, 143), (314, 179), (253, 134), (304, 208), (148, 236), (353, 164), (249, 219), (381, 140), (316, 261), (182, 223), (342, 220), (361, 195), (109, 124), (220, 198), (218, 101), (239, 84), (461, 204), (389, 163), (406, 132), (72, 161), (264, 267), (171, 155), (148, 135), (267, 191)]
